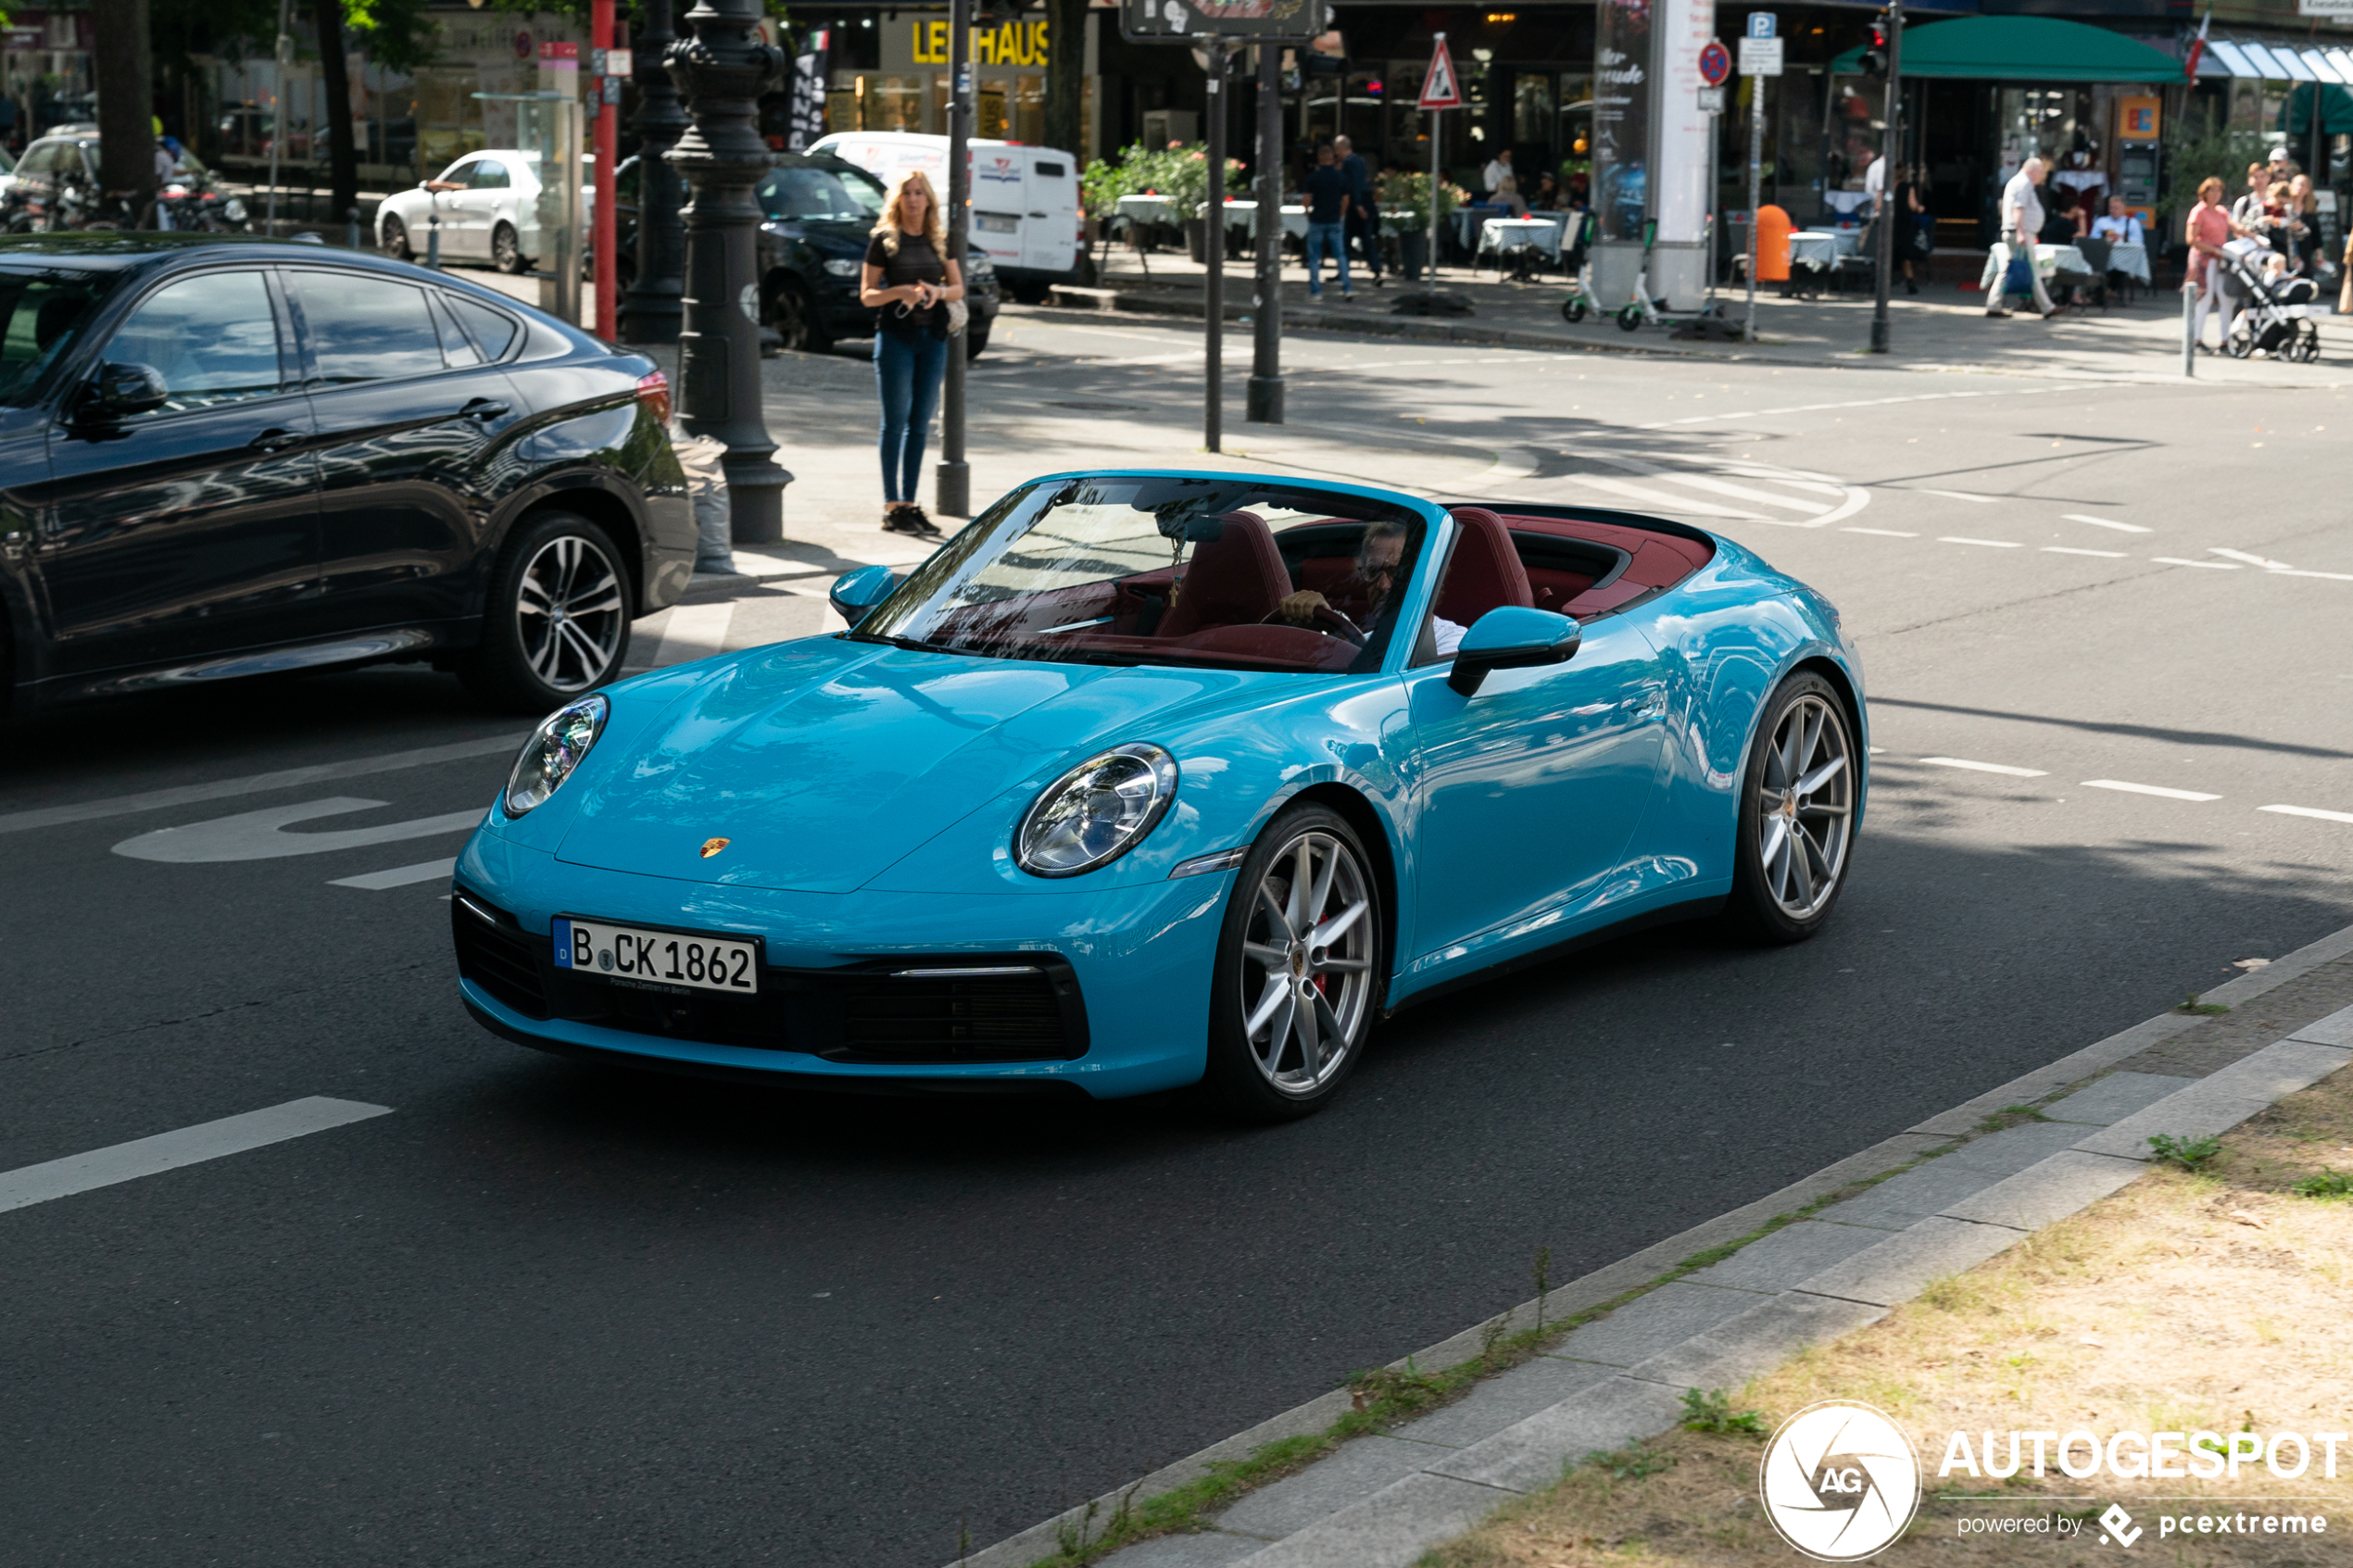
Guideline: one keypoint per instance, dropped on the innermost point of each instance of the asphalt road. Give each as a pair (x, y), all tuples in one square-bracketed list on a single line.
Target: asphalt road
[(542, 1313)]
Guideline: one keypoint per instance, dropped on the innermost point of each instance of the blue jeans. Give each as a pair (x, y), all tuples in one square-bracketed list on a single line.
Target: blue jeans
[(1321, 238), (907, 371)]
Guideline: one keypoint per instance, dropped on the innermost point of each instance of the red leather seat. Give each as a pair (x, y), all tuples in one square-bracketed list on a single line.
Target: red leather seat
[(1485, 573), (1236, 579)]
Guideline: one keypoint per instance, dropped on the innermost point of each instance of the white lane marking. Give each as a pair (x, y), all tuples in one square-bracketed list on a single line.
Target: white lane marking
[(2209, 565), (693, 632), (1989, 543), (2309, 811), (2107, 522), (2074, 551), (2250, 559), (1662, 499), (256, 784), (2158, 790), (1883, 532), (1963, 496), (400, 876), (169, 1151), (2331, 576), (259, 835), (1744, 492), (1985, 767), (1861, 403)]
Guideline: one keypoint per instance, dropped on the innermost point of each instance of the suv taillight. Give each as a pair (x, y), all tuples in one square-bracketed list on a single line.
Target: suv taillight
[(653, 391)]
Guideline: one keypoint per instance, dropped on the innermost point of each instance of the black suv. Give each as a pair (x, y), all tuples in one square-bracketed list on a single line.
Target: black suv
[(818, 214), (222, 457)]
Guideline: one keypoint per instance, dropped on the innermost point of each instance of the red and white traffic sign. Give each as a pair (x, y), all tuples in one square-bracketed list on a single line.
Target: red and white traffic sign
[(1438, 88), (1715, 62)]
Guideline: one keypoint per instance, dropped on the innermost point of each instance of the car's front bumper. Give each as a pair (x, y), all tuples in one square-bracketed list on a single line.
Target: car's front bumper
[(1128, 970)]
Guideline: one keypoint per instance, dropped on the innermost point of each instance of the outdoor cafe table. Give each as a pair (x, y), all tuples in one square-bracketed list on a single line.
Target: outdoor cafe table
[(1244, 215), (1543, 231), (1818, 250), (2130, 259)]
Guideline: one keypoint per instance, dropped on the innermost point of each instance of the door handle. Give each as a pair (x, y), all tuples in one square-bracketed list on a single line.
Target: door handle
[(1038, 215), (484, 408), (275, 439)]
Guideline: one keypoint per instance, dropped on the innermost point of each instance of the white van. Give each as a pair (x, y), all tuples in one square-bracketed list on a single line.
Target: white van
[(1025, 212)]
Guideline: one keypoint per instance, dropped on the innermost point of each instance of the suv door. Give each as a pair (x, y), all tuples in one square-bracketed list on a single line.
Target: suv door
[(410, 411), (192, 529)]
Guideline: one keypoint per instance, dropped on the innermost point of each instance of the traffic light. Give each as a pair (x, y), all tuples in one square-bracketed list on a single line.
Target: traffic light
[(1875, 52)]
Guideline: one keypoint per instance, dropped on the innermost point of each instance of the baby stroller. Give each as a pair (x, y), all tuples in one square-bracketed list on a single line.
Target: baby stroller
[(2274, 305)]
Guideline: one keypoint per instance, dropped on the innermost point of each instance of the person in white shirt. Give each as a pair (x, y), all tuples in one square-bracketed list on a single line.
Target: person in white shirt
[(2022, 223), (1875, 183), (1503, 185), (2119, 226)]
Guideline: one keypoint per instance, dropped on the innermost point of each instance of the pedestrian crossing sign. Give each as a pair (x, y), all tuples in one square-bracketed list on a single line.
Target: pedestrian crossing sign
[(1438, 88)]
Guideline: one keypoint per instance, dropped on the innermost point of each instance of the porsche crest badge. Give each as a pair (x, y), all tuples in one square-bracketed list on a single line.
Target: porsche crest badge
[(711, 846)]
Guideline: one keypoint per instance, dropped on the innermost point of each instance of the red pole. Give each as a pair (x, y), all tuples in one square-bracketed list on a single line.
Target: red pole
[(603, 241)]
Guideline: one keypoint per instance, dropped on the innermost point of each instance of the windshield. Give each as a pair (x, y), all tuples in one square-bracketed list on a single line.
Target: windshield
[(817, 190), (1124, 569), (40, 314)]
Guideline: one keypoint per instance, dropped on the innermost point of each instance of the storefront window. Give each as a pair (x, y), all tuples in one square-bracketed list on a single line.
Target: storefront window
[(894, 103), (1532, 109), (1361, 115), (1408, 139)]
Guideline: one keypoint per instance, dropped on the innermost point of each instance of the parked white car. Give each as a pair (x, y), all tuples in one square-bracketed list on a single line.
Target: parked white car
[(486, 202), (1025, 212)]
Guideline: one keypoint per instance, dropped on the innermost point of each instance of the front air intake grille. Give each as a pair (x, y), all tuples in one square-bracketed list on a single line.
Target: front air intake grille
[(1025, 1014), (498, 955)]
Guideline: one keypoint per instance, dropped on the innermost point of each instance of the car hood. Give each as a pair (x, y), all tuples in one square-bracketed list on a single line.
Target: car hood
[(824, 769)]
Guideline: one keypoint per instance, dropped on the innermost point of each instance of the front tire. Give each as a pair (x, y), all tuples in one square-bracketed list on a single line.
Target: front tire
[(1298, 977), (395, 240), (798, 322), (1797, 814), (558, 622), (975, 342), (506, 250), (1630, 319)]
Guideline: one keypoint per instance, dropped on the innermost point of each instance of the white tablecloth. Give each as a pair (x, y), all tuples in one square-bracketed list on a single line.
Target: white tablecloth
[(1147, 210), (1819, 249), (2047, 260), (2130, 259), (1543, 231), (1244, 215)]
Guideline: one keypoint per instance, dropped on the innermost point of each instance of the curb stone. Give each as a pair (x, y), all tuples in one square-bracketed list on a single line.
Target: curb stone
[(1628, 1380)]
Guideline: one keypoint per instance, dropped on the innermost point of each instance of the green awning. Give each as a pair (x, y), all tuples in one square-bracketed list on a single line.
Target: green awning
[(2023, 49), (2336, 109)]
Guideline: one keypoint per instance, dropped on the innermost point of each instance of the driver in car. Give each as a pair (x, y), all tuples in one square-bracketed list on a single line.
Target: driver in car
[(1378, 557)]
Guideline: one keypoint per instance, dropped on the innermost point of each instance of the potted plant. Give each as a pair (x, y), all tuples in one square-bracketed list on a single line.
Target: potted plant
[(1185, 175), (1405, 197)]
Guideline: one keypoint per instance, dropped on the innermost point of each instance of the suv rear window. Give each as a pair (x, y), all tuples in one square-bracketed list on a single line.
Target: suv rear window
[(41, 315)]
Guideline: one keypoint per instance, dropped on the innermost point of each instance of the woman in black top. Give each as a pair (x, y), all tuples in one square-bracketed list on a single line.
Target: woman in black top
[(908, 281)]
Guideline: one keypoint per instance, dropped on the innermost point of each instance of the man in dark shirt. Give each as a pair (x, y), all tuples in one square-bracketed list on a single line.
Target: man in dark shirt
[(1364, 214), (1325, 189)]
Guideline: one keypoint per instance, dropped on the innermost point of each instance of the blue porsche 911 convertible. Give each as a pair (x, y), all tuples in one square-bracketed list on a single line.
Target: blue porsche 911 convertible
[(1152, 779)]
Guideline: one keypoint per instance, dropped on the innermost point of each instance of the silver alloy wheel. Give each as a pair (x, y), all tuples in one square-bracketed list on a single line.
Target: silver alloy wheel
[(506, 249), (396, 239), (568, 610), (1806, 805), (1306, 974)]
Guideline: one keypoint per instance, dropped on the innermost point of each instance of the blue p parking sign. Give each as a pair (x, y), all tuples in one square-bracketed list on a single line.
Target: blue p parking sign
[(1763, 24)]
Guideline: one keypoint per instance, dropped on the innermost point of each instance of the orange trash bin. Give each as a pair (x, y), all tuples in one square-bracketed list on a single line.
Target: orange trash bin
[(1773, 229)]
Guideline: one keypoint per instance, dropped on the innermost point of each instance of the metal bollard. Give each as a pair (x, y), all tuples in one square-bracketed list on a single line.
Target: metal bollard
[(433, 241), (2189, 326), (351, 218)]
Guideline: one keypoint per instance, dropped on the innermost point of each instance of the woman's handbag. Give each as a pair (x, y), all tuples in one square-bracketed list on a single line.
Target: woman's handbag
[(957, 317)]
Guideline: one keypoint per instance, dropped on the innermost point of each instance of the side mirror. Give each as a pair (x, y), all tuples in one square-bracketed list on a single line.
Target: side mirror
[(122, 388), (856, 594), (1511, 638)]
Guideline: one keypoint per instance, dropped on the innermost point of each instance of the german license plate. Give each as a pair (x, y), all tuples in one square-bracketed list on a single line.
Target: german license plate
[(657, 958)]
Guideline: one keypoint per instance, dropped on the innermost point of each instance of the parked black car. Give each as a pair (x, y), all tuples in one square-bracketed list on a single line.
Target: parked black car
[(220, 458), (818, 214)]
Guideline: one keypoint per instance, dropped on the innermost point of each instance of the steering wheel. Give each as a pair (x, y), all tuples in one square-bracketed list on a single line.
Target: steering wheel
[(1326, 619)]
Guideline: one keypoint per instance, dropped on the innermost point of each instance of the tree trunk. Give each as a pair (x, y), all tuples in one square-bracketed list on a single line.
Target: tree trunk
[(126, 107), (1067, 77), (343, 159)]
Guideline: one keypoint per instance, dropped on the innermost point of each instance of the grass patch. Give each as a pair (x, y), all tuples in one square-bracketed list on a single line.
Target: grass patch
[(2202, 1298)]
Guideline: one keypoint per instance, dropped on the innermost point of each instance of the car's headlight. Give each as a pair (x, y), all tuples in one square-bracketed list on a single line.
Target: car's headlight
[(554, 749), (843, 267), (1095, 813)]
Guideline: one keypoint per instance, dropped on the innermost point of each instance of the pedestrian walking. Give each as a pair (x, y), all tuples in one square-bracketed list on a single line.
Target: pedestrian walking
[(1915, 226), (2208, 228), (1364, 210), (1325, 189), (2021, 222), (909, 282)]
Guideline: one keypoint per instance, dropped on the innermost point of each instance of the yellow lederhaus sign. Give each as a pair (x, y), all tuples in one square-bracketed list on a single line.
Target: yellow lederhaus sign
[(1008, 43)]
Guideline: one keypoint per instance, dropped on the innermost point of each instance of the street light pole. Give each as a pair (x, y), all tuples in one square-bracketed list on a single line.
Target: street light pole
[(722, 68), (649, 310), (1755, 195), (1892, 149), (951, 480), (1265, 396), (1212, 413)]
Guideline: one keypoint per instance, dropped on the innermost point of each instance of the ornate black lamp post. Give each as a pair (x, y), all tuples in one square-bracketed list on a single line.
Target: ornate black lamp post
[(649, 310), (722, 68)]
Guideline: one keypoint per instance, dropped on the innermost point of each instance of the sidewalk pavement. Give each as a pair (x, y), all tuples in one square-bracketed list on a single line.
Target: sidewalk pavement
[(1943, 329), (1960, 1194)]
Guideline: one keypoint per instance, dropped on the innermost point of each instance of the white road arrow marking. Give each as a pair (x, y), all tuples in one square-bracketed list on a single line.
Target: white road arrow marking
[(2250, 559), (259, 835)]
